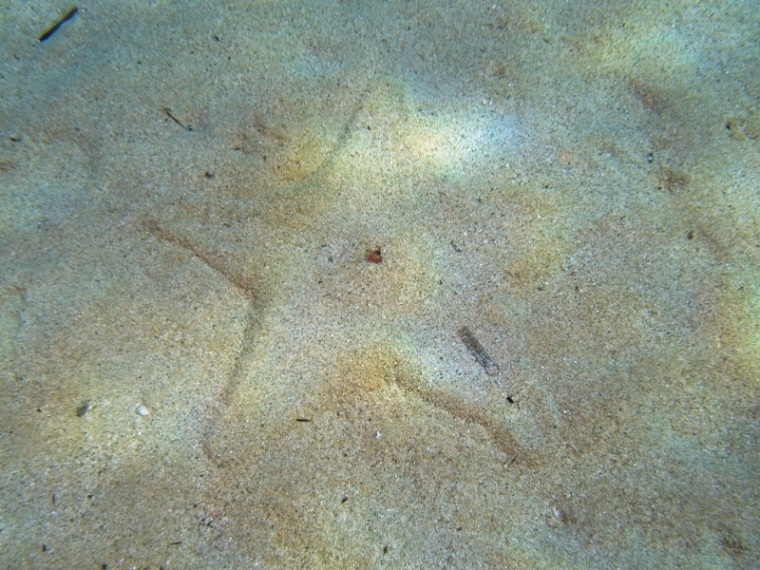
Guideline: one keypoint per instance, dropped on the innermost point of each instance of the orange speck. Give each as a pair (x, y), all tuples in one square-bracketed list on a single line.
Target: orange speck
[(374, 256)]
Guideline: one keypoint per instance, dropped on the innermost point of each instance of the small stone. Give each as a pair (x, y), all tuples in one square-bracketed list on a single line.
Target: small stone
[(142, 411)]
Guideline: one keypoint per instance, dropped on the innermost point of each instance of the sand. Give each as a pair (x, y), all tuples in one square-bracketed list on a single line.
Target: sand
[(240, 243)]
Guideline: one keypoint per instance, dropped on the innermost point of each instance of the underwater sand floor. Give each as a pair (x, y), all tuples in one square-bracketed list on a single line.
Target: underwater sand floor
[(404, 285)]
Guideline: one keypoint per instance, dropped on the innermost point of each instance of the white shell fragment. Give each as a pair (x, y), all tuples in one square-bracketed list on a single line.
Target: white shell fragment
[(142, 411)]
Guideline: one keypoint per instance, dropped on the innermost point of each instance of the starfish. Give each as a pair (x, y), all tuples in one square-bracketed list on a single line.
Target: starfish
[(326, 328)]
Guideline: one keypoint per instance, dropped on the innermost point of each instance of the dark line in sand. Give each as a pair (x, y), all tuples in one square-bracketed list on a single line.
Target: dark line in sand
[(241, 282), (468, 413)]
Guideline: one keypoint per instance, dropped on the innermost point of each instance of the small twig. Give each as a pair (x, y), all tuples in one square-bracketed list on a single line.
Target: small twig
[(169, 114), (477, 350), (54, 28)]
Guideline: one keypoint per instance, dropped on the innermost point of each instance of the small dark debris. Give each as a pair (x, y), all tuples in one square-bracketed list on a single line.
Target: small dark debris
[(476, 350), (56, 26), (650, 158), (510, 399), (83, 409), (15, 138), (303, 420), (169, 113), (343, 500), (44, 548), (385, 549), (455, 246), (690, 235)]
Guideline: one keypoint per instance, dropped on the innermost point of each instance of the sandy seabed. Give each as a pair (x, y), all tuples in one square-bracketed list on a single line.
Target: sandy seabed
[(367, 284)]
